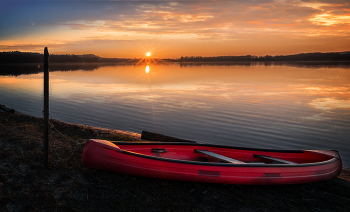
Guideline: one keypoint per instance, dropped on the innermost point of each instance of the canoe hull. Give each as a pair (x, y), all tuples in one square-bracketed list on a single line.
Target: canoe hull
[(111, 158)]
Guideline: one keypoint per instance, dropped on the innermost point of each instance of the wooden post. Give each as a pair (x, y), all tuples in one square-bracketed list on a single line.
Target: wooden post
[(46, 108)]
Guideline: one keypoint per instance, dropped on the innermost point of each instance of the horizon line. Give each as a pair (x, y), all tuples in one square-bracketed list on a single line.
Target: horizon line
[(195, 56)]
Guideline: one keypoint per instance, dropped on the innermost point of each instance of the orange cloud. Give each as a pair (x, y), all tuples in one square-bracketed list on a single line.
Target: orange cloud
[(328, 19), (182, 28)]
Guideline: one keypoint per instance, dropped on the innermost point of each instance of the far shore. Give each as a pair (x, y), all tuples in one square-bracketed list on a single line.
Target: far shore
[(25, 185), (24, 57)]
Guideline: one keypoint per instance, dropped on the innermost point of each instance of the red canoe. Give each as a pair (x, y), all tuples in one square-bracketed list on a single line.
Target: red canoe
[(212, 163)]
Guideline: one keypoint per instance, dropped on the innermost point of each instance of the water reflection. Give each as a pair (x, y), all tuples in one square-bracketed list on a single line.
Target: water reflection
[(259, 106), (19, 69), (299, 64), (33, 68), (330, 104)]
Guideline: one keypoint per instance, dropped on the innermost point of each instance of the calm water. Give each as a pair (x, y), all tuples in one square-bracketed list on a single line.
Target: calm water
[(288, 106)]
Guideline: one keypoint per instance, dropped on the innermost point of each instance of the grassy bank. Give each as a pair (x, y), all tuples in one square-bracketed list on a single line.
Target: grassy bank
[(25, 185)]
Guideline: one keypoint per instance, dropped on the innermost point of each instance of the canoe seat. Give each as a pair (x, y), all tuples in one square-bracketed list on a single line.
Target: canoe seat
[(217, 156), (274, 159)]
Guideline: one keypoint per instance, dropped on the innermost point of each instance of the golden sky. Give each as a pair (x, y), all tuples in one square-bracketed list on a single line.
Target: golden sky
[(174, 29)]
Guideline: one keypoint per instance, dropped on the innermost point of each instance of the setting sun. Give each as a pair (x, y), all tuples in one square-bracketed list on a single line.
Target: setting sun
[(148, 54)]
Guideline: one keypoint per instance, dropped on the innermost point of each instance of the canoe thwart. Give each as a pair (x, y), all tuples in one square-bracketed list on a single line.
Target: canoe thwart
[(217, 156), (274, 159), (159, 150)]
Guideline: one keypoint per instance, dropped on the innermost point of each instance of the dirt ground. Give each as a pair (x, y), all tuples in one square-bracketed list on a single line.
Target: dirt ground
[(25, 185)]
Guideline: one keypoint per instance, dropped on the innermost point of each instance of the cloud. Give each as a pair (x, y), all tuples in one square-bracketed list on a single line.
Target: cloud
[(213, 20), (75, 21), (167, 17), (328, 19)]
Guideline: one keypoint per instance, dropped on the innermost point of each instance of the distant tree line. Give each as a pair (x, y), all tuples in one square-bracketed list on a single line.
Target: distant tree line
[(317, 56), (28, 57)]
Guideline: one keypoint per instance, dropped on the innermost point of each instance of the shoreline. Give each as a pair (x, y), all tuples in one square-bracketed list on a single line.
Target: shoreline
[(25, 185), (101, 130), (136, 136)]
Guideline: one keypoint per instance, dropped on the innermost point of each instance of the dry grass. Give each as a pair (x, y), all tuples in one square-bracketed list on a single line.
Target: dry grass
[(25, 185)]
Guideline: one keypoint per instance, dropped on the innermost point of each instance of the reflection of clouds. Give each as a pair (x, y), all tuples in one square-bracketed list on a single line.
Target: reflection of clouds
[(145, 97), (85, 98), (187, 105), (330, 104), (327, 90), (162, 99), (198, 105), (316, 117)]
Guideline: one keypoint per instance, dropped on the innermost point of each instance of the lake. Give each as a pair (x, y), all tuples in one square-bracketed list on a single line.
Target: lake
[(263, 105)]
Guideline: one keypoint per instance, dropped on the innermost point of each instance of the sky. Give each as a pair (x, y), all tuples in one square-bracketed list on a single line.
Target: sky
[(171, 29)]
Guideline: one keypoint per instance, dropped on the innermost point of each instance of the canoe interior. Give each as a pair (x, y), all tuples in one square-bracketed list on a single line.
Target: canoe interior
[(188, 153)]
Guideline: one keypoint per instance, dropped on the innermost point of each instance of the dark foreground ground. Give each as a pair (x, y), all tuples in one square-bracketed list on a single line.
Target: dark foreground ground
[(25, 185)]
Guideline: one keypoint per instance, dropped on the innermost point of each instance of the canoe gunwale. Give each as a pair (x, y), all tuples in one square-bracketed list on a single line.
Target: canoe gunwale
[(227, 164), (208, 145)]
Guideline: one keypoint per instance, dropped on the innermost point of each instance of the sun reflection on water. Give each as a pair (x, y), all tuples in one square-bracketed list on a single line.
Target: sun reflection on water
[(147, 69)]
